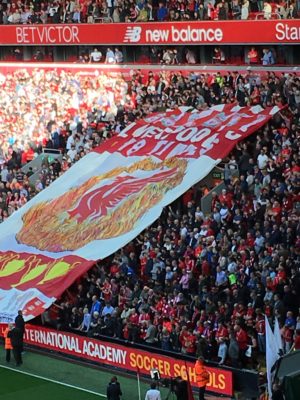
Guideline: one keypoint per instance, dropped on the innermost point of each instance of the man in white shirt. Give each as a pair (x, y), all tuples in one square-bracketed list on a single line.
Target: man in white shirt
[(72, 153), (266, 178), (262, 159), (267, 10), (232, 266), (118, 56), (110, 6), (14, 18), (153, 393), (95, 56), (250, 178), (52, 11), (222, 351), (150, 333), (110, 56), (221, 277), (4, 174), (259, 242), (107, 309), (70, 142), (183, 231)]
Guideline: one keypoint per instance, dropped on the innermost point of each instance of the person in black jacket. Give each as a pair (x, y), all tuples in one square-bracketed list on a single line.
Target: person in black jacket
[(16, 338), (277, 392), (180, 388), (114, 389), (20, 324)]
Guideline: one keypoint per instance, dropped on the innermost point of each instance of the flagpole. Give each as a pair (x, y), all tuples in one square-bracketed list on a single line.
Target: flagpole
[(190, 390), (139, 384), (278, 338)]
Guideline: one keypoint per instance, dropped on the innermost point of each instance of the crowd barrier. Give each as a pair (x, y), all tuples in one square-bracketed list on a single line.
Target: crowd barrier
[(128, 69), (117, 354)]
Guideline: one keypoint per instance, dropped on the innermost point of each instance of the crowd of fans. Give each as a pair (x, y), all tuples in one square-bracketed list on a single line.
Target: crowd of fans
[(192, 283), (67, 102), (91, 11)]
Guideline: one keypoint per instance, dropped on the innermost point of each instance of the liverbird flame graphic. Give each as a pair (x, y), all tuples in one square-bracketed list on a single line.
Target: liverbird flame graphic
[(96, 203), (103, 207)]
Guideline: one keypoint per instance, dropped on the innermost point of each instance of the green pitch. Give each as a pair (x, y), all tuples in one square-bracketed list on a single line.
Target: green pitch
[(47, 378), (15, 385)]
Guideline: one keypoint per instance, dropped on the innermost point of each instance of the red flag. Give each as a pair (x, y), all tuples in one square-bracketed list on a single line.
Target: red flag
[(189, 386)]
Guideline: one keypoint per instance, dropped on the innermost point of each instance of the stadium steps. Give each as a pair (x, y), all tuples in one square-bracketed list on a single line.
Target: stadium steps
[(47, 157)]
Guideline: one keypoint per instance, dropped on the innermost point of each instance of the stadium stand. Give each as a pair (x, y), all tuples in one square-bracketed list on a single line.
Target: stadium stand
[(193, 283)]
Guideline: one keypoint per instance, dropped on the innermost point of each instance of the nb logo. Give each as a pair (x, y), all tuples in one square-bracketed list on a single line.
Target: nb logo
[(133, 34)]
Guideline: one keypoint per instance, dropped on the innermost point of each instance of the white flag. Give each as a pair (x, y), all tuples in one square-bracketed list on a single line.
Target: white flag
[(272, 354), (278, 337)]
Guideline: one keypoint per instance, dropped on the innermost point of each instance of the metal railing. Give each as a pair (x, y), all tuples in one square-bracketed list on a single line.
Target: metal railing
[(273, 15)]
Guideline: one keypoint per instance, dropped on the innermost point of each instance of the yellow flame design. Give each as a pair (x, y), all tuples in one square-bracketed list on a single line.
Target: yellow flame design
[(12, 267), (58, 232), (32, 274), (59, 269)]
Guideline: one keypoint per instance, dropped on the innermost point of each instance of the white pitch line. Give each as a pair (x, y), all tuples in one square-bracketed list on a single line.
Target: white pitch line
[(53, 381)]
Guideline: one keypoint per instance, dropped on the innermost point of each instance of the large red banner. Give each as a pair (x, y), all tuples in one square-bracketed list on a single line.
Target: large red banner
[(125, 358), (197, 32), (179, 133)]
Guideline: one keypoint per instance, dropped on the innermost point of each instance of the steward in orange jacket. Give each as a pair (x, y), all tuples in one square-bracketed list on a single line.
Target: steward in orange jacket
[(7, 342), (202, 377)]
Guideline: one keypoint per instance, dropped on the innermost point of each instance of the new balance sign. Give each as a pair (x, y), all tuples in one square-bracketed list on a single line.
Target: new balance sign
[(202, 32), (133, 34), (186, 35)]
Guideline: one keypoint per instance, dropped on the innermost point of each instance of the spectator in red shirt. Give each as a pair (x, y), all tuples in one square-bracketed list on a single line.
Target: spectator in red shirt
[(253, 56), (190, 343), (222, 331), (242, 340), (296, 345), (261, 331), (133, 330)]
